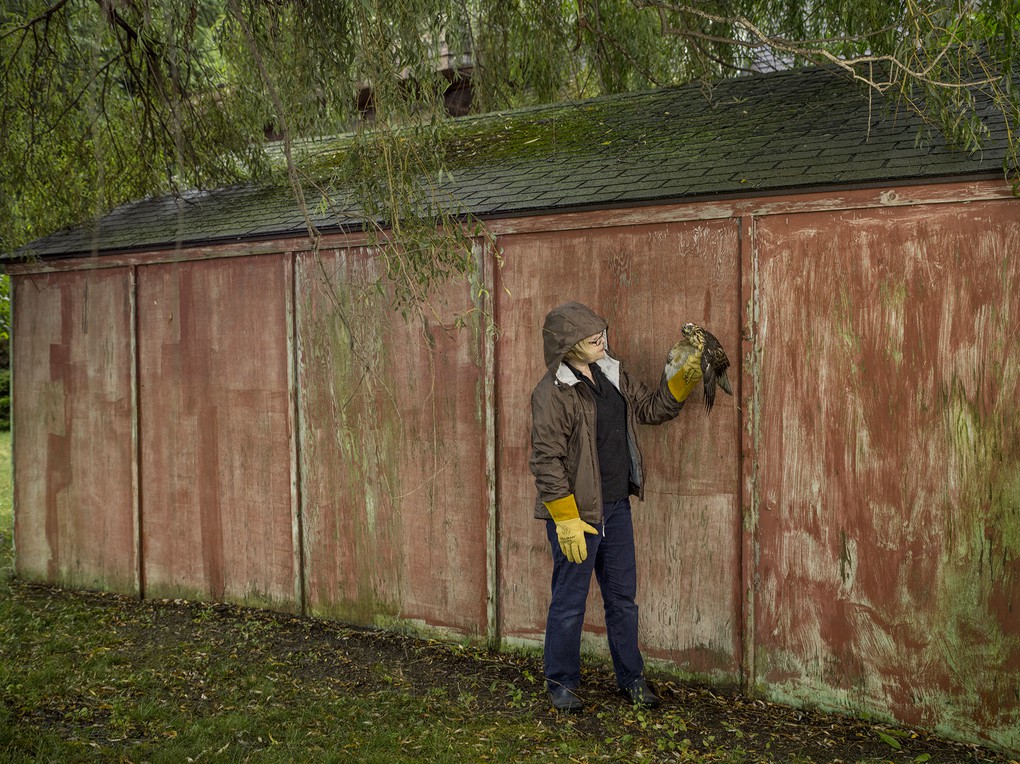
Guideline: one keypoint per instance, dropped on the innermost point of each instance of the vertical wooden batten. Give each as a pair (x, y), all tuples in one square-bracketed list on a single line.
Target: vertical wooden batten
[(294, 388), (488, 264), (748, 388), (136, 463)]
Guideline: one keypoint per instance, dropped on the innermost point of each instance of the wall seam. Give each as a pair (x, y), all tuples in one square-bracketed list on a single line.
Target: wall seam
[(294, 387), (136, 431), (749, 396), (488, 260)]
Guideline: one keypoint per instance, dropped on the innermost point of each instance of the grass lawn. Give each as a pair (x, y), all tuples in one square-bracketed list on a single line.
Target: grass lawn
[(90, 677)]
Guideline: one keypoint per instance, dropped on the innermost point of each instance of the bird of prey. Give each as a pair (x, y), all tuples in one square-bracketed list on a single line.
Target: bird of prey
[(714, 362)]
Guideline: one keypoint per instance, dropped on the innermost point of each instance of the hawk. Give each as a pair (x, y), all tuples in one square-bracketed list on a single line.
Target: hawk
[(714, 362)]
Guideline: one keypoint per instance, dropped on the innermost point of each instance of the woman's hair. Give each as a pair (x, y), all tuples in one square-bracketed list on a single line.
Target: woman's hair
[(578, 353)]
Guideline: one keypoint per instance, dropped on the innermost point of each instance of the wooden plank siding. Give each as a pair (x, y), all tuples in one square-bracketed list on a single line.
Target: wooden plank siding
[(647, 280), (889, 463), (74, 443), (215, 432), (843, 532), (393, 471)]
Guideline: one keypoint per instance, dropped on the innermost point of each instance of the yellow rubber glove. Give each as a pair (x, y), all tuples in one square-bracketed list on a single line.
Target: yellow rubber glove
[(685, 380), (570, 528)]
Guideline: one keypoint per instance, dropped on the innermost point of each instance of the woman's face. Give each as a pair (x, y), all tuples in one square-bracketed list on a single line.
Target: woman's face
[(594, 347)]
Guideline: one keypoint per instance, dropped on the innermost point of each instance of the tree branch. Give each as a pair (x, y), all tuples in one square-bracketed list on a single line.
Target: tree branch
[(41, 18), (807, 49), (604, 39), (292, 172)]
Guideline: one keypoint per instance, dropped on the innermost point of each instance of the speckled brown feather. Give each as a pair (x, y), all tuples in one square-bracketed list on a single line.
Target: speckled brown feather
[(714, 362)]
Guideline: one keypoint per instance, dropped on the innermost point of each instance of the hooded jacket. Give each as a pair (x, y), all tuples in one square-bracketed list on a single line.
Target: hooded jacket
[(564, 456)]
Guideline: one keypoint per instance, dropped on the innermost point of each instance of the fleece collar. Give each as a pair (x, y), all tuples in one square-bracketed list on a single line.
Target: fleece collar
[(609, 366)]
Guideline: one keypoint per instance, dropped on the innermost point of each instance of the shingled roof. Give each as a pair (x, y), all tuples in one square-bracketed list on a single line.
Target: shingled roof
[(797, 130)]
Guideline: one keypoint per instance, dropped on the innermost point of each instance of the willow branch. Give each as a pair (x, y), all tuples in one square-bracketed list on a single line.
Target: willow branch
[(281, 115), (808, 49), (604, 39), (43, 17)]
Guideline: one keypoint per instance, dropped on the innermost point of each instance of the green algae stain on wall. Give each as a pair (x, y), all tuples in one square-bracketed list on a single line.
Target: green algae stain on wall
[(892, 588), (980, 569), (349, 473), (366, 425), (970, 427), (390, 461)]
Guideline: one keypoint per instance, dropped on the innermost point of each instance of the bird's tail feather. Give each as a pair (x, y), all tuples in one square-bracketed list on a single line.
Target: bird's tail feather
[(709, 375)]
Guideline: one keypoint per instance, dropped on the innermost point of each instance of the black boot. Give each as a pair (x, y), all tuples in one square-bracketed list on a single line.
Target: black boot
[(640, 694), (564, 699)]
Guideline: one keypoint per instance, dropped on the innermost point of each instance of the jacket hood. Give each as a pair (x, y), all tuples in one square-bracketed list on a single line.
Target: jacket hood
[(564, 327)]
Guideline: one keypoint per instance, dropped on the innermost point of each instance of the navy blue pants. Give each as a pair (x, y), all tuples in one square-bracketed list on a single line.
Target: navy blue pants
[(611, 557)]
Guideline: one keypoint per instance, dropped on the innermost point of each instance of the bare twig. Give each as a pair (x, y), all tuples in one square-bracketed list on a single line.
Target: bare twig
[(807, 49)]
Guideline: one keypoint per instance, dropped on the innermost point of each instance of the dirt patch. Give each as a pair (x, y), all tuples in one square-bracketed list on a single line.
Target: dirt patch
[(323, 656)]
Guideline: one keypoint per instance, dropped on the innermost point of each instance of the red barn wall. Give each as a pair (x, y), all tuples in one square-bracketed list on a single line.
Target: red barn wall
[(74, 478), (216, 422), (647, 280), (395, 489), (888, 465), (253, 423)]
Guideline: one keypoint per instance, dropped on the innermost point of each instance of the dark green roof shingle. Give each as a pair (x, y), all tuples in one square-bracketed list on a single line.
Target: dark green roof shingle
[(785, 131)]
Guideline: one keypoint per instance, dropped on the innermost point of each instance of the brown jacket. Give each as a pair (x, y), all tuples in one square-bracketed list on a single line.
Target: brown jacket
[(564, 456)]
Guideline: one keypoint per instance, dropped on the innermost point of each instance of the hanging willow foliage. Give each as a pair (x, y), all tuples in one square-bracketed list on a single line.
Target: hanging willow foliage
[(105, 101)]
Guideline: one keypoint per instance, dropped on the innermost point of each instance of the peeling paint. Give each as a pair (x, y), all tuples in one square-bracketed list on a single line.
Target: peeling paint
[(858, 505), (75, 527), (889, 468)]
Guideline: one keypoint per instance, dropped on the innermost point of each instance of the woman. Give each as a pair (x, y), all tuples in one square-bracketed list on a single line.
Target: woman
[(587, 464)]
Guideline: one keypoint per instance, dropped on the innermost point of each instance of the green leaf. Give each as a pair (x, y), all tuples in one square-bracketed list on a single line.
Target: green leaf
[(889, 740)]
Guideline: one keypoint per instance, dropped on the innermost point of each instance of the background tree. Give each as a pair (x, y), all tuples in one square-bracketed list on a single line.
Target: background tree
[(105, 101)]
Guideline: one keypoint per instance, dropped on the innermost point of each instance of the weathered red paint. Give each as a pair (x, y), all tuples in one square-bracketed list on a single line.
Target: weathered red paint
[(889, 463), (845, 532), (394, 486), (73, 481), (647, 281), (216, 426)]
